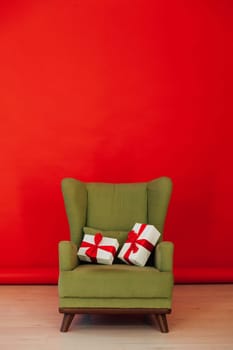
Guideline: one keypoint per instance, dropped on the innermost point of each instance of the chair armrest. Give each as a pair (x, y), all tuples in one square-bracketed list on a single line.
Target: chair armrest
[(164, 256), (68, 259)]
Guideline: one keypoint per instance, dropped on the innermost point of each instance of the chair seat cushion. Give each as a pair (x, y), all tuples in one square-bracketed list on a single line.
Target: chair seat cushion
[(115, 281)]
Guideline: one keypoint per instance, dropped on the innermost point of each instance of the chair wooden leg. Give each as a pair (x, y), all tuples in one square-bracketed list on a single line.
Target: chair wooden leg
[(162, 322), (66, 322)]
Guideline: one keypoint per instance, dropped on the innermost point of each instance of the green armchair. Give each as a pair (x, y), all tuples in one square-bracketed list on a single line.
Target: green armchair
[(113, 209)]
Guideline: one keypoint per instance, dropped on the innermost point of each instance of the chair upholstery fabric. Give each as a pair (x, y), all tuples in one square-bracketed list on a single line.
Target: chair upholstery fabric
[(114, 209), (116, 281), (116, 206)]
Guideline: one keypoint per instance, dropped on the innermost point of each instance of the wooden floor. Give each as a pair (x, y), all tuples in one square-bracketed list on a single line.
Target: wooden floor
[(202, 319)]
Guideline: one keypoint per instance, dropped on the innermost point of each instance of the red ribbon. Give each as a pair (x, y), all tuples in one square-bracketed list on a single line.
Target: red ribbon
[(91, 252), (133, 239)]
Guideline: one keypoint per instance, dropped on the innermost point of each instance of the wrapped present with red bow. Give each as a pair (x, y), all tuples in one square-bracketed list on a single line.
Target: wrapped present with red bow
[(98, 249), (140, 243)]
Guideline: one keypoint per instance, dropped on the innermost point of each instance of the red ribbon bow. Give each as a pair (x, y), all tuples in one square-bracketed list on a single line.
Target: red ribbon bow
[(133, 238), (91, 252)]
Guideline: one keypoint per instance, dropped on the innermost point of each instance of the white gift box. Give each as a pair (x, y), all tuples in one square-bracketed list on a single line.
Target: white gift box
[(98, 249), (139, 244)]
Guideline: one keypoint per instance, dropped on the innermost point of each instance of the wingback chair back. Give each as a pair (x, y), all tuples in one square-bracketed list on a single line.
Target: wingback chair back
[(115, 207)]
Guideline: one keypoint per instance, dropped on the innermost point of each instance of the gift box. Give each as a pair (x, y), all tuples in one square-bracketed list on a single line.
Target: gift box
[(98, 249), (140, 242)]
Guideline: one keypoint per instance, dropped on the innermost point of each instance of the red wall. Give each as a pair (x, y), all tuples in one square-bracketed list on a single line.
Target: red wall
[(117, 91)]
